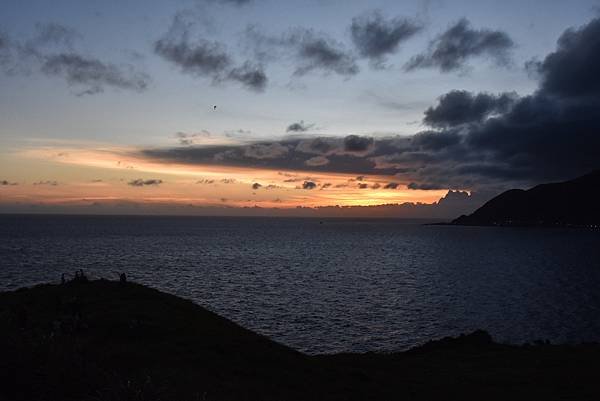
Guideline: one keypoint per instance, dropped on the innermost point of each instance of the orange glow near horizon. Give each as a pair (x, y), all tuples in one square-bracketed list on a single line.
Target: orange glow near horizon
[(103, 175)]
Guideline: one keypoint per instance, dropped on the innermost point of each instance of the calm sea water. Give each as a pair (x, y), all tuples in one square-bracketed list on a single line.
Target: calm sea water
[(332, 285)]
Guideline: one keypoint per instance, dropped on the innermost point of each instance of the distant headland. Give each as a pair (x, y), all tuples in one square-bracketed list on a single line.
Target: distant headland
[(563, 204)]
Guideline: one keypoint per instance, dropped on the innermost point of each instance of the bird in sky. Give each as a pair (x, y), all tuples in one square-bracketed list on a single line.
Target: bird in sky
[(214, 107)]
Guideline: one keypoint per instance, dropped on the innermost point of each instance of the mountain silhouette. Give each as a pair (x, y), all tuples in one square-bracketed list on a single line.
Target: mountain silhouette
[(569, 203)]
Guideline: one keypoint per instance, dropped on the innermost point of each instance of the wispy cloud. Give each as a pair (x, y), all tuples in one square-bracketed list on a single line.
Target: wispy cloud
[(48, 182), (144, 183), (375, 37), (206, 58), (452, 49), (52, 51), (92, 73), (311, 51)]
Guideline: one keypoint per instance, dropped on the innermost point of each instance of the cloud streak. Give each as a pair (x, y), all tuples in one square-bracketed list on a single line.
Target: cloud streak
[(51, 51), (190, 139), (51, 183), (309, 50), (144, 183), (318, 52), (205, 58), (374, 37), (78, 70), (452, 49)]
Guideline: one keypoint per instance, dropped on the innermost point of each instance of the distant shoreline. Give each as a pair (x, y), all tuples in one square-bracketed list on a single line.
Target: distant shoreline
[(417, 220), (522, 225)]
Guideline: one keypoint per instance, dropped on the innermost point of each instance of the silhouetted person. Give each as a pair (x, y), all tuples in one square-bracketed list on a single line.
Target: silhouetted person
[(80, 276), (123, 278)]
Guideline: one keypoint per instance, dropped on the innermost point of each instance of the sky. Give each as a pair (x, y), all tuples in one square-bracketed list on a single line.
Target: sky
[(423, 108)]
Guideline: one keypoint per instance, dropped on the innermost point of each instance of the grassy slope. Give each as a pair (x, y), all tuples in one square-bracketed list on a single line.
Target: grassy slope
[(108, 341)]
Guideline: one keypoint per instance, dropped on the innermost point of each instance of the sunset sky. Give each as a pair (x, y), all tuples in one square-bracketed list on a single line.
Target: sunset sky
[(110, 106)]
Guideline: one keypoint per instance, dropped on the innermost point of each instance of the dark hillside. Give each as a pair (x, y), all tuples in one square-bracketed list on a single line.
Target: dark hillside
[(103, 340), (569, 203)]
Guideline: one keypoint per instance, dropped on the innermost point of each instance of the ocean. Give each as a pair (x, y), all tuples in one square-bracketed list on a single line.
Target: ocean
[(332, 285)]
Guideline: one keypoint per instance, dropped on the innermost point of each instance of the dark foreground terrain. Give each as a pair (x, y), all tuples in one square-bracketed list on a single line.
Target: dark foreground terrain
[(103, 340)]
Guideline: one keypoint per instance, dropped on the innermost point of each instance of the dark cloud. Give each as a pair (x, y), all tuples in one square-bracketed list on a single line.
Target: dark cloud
[(355, 143), (375, 37), (479, 141), (319, 52), (451, 50), (363, 185), (205, 181), (553, 133), (291, 154), (93, 73), (428, 141), (309, 185), (424, 186), (261, 151), (251, 76), (205, 58), (321, 146), (51, 51), (7, 183), (547, 136), (142, 183), (299, 127), (570, 70), (391, 185), (460, 107), (256, 186)]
